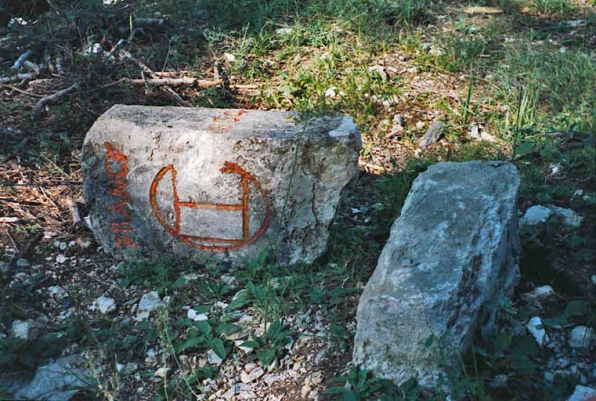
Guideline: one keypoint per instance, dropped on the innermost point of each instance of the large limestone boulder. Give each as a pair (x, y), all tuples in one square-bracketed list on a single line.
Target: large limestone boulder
[(452, 252), (216, 183)]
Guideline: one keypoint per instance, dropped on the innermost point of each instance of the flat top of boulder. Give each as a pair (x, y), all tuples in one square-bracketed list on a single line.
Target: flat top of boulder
[(241, 123)]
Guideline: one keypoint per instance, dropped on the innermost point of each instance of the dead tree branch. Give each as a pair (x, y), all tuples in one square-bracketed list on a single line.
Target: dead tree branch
[(16, 78), (40, 106), (169, 91), (184, 81), (17, 64)]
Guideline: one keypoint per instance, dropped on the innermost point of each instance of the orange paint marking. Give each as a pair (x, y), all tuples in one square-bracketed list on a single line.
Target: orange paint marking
[(199, 242), (225, 122), (119, 182)]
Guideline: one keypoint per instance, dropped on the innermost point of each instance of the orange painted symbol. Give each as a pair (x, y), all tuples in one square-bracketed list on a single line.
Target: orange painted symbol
[(201, 242)]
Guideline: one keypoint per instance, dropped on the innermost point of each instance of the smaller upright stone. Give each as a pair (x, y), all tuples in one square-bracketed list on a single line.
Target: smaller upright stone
[(453, 251), (105, 304)]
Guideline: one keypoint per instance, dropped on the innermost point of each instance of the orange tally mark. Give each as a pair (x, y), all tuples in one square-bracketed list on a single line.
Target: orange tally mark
[(118, 183)]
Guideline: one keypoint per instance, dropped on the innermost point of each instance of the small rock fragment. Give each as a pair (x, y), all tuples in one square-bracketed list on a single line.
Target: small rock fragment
[(316, 378), (213, 358), (22, 263), (150, 302), (20, 329), (581, 338), (568, 216), (197, 317), (105, 304), (432, 135), (536, 215), (161, 372), (539, 293), (252, 376), (535, 328)]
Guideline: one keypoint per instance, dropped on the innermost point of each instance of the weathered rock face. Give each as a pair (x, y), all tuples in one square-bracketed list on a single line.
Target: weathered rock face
[(227, 183), (453, 250)]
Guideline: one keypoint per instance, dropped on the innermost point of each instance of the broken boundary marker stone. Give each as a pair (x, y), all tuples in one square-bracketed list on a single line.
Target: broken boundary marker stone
[(213, 182), (451, 255)]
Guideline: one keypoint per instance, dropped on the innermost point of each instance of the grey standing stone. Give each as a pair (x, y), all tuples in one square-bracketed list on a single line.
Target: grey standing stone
[(232, 183), (452, 252)]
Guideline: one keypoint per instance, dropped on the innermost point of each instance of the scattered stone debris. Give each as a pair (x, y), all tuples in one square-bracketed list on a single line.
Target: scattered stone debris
[(466, 213), (537, 217)]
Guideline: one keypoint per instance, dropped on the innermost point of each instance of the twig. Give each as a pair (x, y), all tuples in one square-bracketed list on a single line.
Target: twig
[(17, 64), (39, 107), (21, 91)]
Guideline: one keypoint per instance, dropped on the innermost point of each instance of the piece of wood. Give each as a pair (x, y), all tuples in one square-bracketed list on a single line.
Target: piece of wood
[(183, 81), (17, 64), (40, 106), (432, 135), (16, 78)]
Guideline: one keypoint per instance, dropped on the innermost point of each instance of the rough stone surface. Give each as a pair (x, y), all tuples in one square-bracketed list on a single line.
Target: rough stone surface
[(453, 250), (56, 381), (583, 393), (193, 182)]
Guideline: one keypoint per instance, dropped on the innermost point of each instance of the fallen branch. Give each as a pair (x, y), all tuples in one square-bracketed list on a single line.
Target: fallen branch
[(20, 90), (39, 107), (150, 21), (16, 78), (17, 64), (169, 91), (175, 82)]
